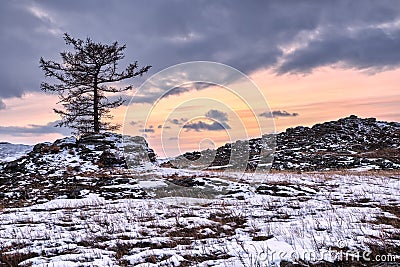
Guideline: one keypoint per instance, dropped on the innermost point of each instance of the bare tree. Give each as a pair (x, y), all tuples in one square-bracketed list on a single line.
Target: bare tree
[(84, 78)]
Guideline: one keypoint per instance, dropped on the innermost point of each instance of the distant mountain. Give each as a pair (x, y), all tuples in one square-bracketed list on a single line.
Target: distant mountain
[(9, 152), (348, 143)]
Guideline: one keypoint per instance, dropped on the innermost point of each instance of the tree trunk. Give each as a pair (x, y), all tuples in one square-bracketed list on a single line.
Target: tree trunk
[(96, 125)]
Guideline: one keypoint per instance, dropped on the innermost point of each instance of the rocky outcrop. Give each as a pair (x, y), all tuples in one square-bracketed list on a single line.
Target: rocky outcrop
[(347, 143), (88, 153), (238, 156)]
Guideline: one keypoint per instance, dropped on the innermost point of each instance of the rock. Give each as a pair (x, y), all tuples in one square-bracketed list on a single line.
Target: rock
[(187, 182), (69, 142), (14, 166), (88, 153), (108, 159), (347, 143), (38, 148), (137, 151)]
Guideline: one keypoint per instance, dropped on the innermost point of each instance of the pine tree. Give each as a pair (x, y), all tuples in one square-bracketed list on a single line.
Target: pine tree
[(84, 79)]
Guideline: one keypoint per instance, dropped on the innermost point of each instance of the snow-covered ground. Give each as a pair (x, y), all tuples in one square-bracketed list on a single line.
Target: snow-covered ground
[(193, 218)]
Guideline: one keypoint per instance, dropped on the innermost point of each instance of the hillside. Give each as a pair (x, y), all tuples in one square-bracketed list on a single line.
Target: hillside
[(348, 143), (88, 153), (167, 217)]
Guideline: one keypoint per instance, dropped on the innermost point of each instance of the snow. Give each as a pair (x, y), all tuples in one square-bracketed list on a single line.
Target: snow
[(9, 152), (54, 215), (152, 184), (237, 225), (90, 200)]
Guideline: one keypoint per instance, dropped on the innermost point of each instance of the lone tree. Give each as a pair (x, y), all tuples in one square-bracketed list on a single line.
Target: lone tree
[(85, 77)]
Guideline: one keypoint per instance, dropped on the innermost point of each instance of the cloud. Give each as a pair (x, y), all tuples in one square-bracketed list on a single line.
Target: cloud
[(180, 121), (178, 90), (217, 115), (219, 122), (163, 91), (2, 105), (212, 114), (287, 36), (369, 49), (34, 129), (200, 125), (278, 113), (175, 121), (164, 127), (147, 130)]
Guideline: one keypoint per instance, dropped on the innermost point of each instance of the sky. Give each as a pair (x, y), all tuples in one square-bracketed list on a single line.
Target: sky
[(313, 61)]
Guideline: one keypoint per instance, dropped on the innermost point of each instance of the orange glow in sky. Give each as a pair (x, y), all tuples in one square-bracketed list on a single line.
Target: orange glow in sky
[(327, 93)]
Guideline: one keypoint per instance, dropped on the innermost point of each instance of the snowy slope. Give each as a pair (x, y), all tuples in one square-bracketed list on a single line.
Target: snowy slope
[(188, 218), (88, 153), (74, 203)]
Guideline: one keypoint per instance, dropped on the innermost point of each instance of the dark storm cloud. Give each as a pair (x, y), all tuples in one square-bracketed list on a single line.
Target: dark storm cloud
[(24, 37), (288, 36), (34, 129), (278, 113), (200, 125), (359, 49)]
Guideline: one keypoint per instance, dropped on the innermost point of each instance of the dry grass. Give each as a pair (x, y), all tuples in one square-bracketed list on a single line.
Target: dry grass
[(14, 259), (122, 228)]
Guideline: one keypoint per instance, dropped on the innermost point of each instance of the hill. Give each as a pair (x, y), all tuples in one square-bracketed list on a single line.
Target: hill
[(89, 153), (347, 143)]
